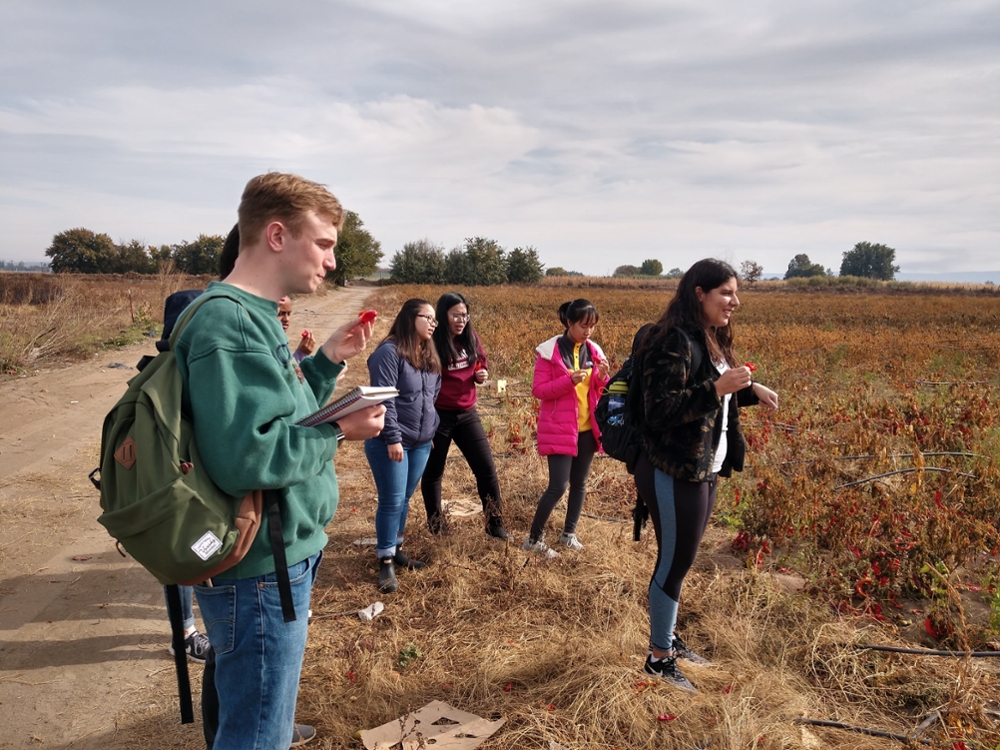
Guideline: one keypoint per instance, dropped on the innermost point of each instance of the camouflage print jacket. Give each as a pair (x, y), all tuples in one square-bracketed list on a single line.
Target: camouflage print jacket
[(682, 425)]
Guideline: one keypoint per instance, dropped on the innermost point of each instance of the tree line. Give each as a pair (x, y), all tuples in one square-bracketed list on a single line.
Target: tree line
[(867, 260), (480, 261), (84, 251)]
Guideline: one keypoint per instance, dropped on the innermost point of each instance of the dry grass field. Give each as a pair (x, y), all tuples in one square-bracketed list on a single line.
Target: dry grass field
[(869, 514)]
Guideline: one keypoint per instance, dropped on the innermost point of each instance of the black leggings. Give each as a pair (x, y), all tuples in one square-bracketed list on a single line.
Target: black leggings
[(563, 470), (466, 430)]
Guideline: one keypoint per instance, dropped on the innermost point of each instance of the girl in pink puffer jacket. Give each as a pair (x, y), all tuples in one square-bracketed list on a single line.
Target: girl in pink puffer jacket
[(570, 374)]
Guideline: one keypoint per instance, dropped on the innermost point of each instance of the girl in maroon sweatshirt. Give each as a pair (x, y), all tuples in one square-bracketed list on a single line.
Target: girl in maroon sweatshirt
[(463, 367)]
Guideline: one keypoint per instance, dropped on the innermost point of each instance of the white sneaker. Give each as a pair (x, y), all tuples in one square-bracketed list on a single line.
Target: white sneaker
[(571, 541), (540, 548)]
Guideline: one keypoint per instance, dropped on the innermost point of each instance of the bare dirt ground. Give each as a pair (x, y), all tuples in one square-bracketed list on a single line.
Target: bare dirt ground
[(83, 630)]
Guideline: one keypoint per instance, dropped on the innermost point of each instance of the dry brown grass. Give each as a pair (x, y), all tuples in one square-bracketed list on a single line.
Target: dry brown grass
[(47, 318)]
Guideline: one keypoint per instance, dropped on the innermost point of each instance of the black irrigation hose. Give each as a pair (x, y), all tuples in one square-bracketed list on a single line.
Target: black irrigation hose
[(927, 651), (861, 730)]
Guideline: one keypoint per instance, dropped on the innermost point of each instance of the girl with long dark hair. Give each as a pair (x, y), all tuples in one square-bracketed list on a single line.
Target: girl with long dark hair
[(406, 360), (463, 367), (692, 386), (570, 374)]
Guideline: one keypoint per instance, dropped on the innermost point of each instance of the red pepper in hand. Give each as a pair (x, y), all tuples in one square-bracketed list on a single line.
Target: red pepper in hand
[(750, 366), (368, 316)]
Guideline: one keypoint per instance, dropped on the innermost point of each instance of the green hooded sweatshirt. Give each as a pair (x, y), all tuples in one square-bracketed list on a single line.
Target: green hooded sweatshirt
[(244, 394)]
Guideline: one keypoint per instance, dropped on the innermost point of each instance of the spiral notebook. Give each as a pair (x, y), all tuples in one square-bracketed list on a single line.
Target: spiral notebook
[(357, 398)]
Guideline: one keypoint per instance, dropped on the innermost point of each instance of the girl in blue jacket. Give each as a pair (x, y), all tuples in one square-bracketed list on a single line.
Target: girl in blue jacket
[(407, 360)]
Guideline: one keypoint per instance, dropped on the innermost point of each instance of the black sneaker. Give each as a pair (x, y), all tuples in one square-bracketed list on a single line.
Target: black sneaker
[(387, 582), (402, 561), (668, 671), (196, 646), (495, 529), (681, 651), (301, 734)]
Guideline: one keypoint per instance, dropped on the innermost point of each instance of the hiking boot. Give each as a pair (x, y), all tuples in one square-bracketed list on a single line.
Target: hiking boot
[(571, 541), (196, 646), (402, 561), (387, 582), (301, 734), (539, 547), (681, 651), (495, 529), (668, 671)]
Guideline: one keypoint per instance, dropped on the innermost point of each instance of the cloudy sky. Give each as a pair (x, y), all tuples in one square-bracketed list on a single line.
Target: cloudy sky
[(599, 133)]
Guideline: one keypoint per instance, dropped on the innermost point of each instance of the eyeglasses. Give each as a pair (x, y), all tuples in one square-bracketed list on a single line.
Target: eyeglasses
[(459, 318), (431, 320)]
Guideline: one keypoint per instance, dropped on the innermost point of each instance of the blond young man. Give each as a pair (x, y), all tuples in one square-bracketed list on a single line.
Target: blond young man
[(245, 395)]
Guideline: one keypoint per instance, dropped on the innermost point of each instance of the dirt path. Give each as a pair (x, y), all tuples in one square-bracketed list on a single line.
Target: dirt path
[(83, 631)]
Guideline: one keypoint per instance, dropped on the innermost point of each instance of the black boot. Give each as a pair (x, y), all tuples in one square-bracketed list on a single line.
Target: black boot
[(495, 529), (387, 582), (437, 524), (402, 561)]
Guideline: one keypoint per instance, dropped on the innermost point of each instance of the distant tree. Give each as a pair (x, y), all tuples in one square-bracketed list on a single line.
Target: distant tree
[(457, 269), (201, 257), (556, 271), (357, 252), (870, 261), (420, 262), (625, 272), (134, 258), (82, 251), (523, 266), (751, 271), (480, 262), (651, 267), (800, 267)]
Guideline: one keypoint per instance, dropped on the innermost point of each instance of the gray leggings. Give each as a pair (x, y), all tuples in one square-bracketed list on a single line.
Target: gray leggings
[(566, 470)]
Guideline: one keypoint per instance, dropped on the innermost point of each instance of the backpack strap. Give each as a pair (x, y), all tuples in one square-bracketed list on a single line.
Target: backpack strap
[(275, 532), (180, 654)]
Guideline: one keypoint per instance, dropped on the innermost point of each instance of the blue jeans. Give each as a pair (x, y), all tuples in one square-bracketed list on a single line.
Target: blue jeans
[(395, 482), (258, 656), (187, 606)]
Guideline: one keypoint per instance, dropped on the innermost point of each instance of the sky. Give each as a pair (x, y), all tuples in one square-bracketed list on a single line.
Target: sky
[(600, 134)]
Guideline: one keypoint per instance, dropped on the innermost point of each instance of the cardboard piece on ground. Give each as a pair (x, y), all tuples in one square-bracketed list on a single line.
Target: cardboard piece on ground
[(437, 724), (464, 506), (366, 541)]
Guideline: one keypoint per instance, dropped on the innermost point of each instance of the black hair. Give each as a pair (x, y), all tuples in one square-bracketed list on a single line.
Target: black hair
[(579, 310), (446, 344), (230, 251), (421, 354), (685, 309)]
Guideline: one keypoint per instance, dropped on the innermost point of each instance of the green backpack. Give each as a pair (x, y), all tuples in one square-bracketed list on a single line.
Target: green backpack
[(158, 500)]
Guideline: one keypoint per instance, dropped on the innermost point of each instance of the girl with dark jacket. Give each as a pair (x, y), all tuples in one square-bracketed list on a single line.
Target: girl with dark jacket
[(463, 367), (570, 374), (692, 388), (406, 360)]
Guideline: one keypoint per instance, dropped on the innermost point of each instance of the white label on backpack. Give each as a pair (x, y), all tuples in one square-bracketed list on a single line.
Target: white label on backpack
[(207, 546)]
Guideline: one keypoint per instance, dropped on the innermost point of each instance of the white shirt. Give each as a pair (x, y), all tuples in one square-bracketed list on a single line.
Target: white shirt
[(723, 448)]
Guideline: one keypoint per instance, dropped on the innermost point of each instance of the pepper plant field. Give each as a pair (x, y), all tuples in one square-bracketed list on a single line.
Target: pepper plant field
[(877, 478)]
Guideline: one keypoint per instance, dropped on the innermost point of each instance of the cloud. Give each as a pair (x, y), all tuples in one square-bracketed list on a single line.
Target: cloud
[(645, 129)]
